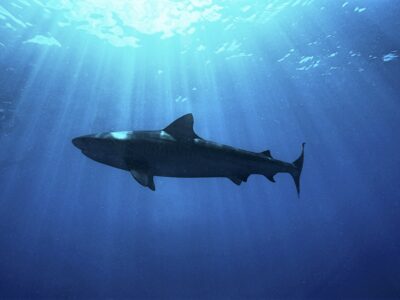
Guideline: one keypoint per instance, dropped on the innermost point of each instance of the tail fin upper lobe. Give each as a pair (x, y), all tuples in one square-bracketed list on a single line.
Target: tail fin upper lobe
[(298, 166)]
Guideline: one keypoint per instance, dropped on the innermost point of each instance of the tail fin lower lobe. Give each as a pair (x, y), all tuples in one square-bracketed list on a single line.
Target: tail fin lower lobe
[(298, 166)]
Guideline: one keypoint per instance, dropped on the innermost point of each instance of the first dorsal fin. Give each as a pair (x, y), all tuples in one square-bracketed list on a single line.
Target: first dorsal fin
[(182, 128)]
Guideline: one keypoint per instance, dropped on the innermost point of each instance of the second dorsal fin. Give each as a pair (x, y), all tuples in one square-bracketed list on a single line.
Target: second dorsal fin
[(182, 128), (267, 153)]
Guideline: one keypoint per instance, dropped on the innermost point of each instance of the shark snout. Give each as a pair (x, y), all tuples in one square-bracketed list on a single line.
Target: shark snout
[(80, 142), (77, 142)]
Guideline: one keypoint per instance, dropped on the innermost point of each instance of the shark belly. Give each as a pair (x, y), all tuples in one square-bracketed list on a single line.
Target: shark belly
[(194, 161)]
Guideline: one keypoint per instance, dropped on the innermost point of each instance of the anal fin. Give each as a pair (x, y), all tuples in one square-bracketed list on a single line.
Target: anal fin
[(270, 177), (244, 178), (143, 178)]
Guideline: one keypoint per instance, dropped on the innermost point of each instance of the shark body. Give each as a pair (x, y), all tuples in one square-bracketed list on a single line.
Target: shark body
[(177, 151)]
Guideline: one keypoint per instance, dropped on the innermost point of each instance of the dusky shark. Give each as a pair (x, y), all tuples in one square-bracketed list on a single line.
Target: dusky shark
[(177, 151)]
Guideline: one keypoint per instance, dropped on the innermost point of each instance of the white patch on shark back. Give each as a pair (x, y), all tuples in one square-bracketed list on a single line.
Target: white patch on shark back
[(120, 135)]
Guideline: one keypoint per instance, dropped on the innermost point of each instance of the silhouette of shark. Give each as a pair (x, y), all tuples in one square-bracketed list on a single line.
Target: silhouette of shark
[(177, 151)]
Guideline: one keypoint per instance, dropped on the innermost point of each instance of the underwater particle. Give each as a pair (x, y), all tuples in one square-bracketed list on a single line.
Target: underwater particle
[(287, 55), (233, 46), (7, 14), (308, 62), (345, 4), (201, 48), (390, 56), (229, 47), (24, 2), (16, 5), (306, 59), (221, 49), (63, 24), (194, 88), (353, 54), (191, 30), (39, 3), (9, 26), (181, 99), (242, 54), (359, 10), (43, 40), (229, 26), (159, 72), (246, 8), (283, 58), (316, 64)]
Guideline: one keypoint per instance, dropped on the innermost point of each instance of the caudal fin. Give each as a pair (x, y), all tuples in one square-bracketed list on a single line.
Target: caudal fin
[(298, 166)]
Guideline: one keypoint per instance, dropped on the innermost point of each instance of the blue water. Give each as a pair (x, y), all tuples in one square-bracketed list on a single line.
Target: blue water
[(258, 76)]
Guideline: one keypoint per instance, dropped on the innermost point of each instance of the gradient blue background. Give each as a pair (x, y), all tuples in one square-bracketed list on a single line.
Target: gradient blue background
[(72, 228)]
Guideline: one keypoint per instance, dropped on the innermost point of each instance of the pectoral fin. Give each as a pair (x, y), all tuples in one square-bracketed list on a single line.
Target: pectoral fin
[(143, 178)]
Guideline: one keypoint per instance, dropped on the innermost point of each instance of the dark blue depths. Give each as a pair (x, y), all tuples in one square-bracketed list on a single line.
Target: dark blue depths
[(72, 228)]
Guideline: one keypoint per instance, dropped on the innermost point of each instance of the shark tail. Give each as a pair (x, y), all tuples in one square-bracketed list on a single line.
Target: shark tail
[(296, 171)]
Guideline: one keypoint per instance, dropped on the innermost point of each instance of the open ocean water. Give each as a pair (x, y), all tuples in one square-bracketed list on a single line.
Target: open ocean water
[(256, 75)]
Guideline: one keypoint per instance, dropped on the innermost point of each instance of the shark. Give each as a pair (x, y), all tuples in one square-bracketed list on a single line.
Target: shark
[(177, 151)]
